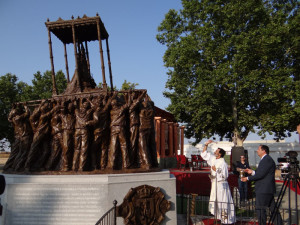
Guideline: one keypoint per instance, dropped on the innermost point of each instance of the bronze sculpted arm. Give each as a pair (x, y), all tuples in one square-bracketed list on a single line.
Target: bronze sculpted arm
[(107, 103), (94, 121), (12, 113), (89, 122), (135, 103), (27, 111), (35, 114)]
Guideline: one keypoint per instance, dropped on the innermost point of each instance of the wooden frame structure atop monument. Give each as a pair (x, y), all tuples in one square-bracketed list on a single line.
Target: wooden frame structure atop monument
[(79, 32)]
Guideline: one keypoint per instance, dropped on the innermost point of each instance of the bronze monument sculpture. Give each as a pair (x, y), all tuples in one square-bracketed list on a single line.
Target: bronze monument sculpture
[(85, 128)]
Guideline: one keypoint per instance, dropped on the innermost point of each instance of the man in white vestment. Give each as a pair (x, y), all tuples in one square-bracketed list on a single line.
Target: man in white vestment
[(220, 202)]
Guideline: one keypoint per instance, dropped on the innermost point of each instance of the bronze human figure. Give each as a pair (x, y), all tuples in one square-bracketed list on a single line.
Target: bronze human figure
[(56, 140), (100, 123), (68, 126), (118, 142), (146, 147), (83, 114), (23, 137), (34, 118), (15, 111), (134, 122), (39, 149)]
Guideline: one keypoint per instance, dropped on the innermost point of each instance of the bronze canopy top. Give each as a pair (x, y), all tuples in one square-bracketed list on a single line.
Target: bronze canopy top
[(85, 28)]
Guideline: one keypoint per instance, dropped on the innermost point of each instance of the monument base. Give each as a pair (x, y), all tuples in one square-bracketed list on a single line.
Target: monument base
[(76, 199)]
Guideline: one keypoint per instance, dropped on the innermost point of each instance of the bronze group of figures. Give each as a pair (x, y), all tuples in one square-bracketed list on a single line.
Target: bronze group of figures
[(108, 131)]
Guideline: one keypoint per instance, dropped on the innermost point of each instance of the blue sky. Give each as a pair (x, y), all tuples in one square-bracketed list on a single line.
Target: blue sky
[(136, 56)]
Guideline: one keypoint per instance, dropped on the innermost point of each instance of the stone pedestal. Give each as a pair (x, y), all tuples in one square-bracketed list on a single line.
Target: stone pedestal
[(75, 199)]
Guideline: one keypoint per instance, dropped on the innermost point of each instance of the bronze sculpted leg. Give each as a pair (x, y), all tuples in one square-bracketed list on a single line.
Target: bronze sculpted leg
[(124, 149), (13, 154), (83, 150), (55, 152), (114, 142), (143, 149), (44, 155), (67, 150), (134, 133), (22, 156), (104, 149), (34, 151), (96, 151), (76, 159), (153, 152)]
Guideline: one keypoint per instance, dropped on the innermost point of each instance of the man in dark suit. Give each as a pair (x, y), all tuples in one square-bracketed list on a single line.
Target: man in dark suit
[(264, 177)]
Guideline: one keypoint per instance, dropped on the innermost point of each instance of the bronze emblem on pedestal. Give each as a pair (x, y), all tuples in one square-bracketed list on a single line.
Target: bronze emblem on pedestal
[(144, 205)]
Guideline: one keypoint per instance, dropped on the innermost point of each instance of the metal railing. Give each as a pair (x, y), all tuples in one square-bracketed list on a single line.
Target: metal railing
[(110, 217), (197, 209)]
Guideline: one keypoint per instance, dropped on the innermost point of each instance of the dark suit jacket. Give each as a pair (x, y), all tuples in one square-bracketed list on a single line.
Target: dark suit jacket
[(265, 176)]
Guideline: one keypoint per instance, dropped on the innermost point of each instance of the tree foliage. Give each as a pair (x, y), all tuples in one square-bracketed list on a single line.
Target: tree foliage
[(9, 93), (128, 85), (12, 91), (233, 66), (125, 86), (42, 84), (100, 85)]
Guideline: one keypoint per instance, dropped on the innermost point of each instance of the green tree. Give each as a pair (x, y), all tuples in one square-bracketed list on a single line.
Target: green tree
[(13, 91), (100, 85), (9, 93), (61, 81), (128, 85), (125, 86), (233, 66), (42, 84), (26, 92)]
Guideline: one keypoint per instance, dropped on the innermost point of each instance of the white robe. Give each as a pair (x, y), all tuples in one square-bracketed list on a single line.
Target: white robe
[(220, 201)]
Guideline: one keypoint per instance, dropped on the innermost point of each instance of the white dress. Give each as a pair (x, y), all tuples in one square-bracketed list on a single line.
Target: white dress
[(220, 201)]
